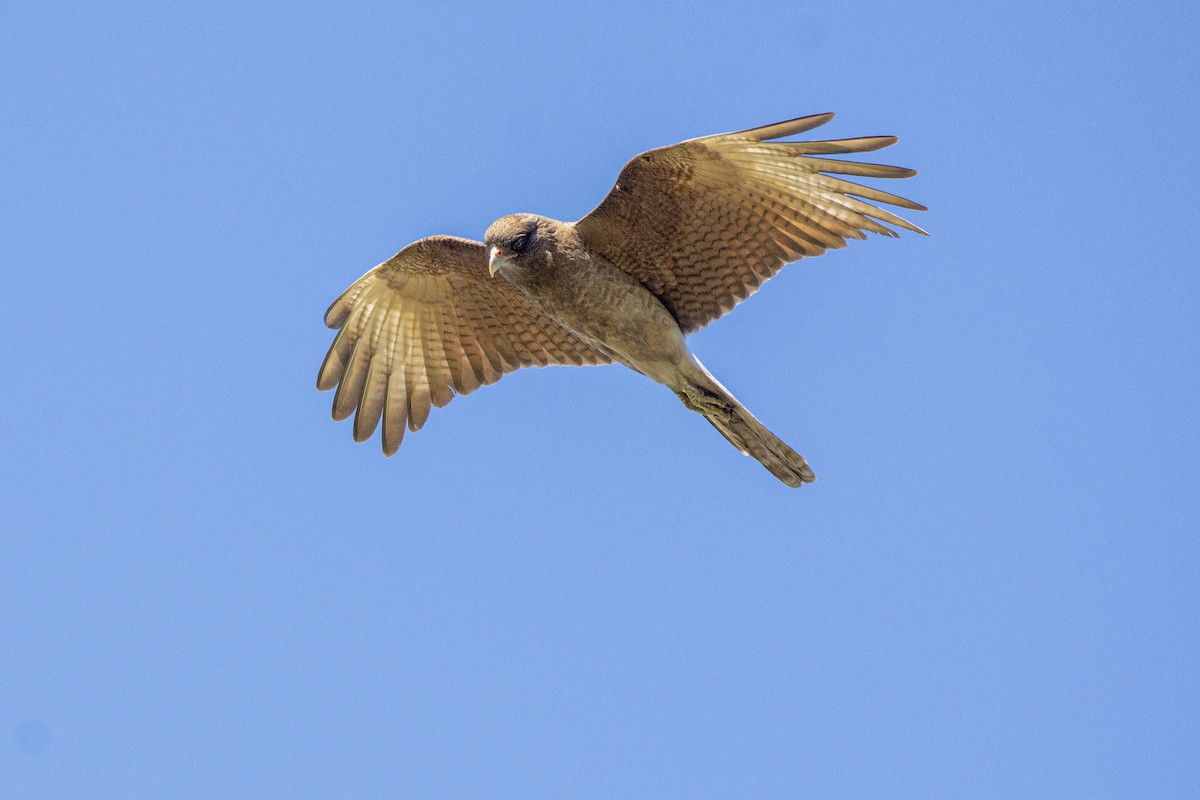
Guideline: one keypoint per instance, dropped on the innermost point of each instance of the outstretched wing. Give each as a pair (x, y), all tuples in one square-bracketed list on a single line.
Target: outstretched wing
[(704, 223), (427, 324)]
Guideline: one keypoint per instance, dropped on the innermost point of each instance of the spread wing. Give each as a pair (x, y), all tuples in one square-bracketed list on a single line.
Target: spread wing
[(429, 323), (704, 223)]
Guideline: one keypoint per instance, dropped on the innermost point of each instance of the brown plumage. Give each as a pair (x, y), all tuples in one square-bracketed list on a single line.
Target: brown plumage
[(687, 233)]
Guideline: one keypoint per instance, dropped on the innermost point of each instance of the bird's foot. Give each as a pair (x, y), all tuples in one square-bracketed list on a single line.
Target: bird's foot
[(705, 402)]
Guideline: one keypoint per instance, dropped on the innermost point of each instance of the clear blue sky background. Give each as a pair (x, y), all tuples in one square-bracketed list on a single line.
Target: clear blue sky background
[(567, 585)]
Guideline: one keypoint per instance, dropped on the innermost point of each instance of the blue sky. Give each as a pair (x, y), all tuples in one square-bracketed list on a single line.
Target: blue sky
[(567, 585)]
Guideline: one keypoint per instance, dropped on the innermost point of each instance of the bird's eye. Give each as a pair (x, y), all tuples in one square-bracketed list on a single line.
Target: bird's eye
[(518, 244)]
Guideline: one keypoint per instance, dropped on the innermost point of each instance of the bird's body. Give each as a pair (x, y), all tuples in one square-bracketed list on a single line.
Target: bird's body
[(687, 232), (608, 309), (599, 303)]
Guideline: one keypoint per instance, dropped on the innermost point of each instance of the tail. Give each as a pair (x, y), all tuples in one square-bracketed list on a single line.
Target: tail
[(703, 393)]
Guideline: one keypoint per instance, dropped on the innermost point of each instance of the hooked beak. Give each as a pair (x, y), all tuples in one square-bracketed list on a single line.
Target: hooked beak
[(498, 259)]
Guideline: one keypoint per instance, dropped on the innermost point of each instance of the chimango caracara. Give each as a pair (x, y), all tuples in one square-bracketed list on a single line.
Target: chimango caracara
[(687, 233)]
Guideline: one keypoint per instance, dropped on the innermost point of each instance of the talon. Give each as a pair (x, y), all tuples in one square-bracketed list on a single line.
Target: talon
[(721, 411)]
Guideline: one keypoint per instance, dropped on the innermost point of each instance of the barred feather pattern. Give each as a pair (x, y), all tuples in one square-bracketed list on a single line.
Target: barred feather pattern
[(704, 223), (426, 325)]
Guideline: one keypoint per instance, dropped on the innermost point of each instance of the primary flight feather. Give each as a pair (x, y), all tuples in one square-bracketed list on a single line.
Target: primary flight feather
[(687, 233)]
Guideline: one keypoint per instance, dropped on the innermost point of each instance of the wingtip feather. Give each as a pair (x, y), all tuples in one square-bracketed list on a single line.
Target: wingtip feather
[(789, 127), (776, 130)]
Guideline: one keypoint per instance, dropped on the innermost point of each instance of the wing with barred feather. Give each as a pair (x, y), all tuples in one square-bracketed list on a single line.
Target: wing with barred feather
[(704, 223), (427, 324)]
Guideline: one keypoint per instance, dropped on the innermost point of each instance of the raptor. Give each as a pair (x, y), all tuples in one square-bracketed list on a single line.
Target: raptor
[(687, 233)]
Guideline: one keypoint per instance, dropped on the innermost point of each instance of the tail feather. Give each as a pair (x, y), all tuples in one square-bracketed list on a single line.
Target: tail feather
[(705, 394), (750, 436)]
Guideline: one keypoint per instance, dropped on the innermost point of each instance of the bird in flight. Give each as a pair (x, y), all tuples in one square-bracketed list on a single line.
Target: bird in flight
[(688, 232)]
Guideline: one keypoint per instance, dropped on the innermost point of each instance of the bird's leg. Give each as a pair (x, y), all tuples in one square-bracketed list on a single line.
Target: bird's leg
[(701, 400)]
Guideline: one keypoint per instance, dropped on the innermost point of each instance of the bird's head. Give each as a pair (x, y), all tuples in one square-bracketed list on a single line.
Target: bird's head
[(516, 240)]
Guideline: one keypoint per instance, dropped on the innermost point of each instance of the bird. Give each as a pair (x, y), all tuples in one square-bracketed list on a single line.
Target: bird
[(687, 232)]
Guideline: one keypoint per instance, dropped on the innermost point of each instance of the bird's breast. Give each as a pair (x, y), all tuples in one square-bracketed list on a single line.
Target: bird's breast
[(607, 308)]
